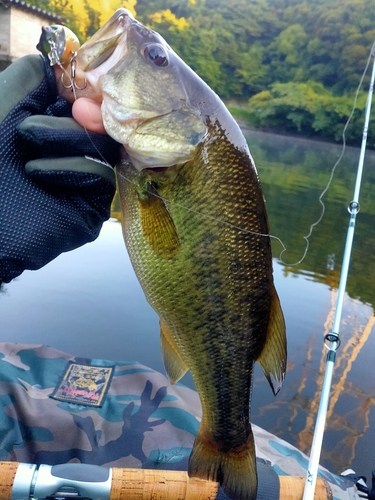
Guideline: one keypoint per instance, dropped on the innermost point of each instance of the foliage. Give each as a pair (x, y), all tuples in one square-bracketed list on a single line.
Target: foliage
[(86, 17), (307, 54), (308, 108), (242, 115)]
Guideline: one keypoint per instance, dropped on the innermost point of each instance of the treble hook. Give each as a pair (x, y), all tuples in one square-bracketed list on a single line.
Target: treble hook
[(73, 84)]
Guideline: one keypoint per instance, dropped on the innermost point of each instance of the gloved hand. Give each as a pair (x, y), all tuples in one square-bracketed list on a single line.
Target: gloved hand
[(52, 197)]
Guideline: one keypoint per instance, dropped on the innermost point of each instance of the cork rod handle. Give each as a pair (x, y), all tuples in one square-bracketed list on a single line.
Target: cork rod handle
[(145, 484)]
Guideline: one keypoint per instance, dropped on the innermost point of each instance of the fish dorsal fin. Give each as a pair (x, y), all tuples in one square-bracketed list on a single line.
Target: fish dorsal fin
[(157, 226), (174, 365), (273, 357)]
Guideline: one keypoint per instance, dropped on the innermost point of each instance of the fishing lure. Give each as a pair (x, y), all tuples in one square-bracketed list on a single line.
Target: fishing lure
[(59, 45)]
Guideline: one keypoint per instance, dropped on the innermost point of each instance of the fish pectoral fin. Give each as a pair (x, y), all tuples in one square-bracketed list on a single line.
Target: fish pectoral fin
[(234, 469), (173, 363), (157, 226), (274, 354)]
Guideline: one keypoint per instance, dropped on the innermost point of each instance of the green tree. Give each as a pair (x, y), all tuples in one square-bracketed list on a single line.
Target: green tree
[(308, 108), (242, 49), (94, 17)]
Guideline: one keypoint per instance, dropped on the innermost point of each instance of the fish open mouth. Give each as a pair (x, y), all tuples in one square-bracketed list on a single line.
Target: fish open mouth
[(105, 48)]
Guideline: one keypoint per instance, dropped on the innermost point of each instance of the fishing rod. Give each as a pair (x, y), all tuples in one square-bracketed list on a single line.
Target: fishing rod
[(332, 339), (76, 481)]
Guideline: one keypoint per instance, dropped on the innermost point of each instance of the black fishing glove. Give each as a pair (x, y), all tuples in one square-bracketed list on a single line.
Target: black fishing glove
[(52, 198)]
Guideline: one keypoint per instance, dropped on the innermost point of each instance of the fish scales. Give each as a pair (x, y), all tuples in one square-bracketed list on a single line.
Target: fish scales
[(195, 226), (214, 293)]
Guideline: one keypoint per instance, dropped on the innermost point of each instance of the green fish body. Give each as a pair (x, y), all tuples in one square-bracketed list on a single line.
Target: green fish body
[(197, 234), (195, 246)]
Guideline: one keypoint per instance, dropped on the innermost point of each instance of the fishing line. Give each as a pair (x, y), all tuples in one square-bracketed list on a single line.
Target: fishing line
[(188, 209), (271, 236), (343, 149), (333, 337), (166, 201), (207, 216), (74, 89)]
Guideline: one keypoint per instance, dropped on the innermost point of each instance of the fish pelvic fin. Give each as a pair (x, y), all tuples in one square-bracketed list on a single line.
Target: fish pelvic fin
[(235, 469), (274, 354), (173, 363), (157, 226)]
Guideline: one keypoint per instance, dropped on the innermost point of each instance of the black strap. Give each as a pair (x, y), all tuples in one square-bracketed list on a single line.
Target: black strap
[(371, 493)]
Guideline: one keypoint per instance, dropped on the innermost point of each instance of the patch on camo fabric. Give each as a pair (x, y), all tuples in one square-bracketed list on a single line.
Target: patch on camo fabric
[(84, 384)]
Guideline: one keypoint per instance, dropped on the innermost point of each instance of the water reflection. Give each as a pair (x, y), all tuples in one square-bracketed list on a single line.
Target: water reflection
[(293, 175), (89, 303)]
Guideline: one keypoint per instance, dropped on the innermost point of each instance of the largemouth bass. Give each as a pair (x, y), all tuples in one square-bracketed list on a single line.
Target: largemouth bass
[(195, 226)]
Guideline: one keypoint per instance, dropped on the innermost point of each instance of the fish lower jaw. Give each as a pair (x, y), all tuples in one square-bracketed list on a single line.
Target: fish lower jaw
[(124, 113), (145, 160)]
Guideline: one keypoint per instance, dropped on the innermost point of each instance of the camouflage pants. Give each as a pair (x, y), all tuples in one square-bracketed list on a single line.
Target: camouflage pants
[(56, 408)]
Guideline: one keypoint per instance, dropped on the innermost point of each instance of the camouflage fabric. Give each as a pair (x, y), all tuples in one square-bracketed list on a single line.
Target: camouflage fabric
[(142, 421)]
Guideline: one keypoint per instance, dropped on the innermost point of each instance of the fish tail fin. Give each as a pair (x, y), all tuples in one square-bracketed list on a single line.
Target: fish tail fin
[(235, 470)]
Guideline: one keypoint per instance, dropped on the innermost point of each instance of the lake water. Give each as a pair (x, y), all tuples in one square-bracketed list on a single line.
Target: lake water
[(89, 303)]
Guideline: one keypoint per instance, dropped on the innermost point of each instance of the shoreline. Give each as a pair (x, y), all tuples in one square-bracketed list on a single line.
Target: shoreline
[(248, 128)]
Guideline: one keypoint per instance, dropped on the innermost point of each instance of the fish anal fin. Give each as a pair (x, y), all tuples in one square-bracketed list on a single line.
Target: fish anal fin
[(173, 363), (274, 353), (158, 227), (234, 469)]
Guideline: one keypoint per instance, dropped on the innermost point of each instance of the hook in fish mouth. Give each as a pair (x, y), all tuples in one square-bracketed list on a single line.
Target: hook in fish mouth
[(73, 84)]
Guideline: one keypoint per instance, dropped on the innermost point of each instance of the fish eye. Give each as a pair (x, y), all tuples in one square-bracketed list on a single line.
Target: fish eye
[(156, 54)]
